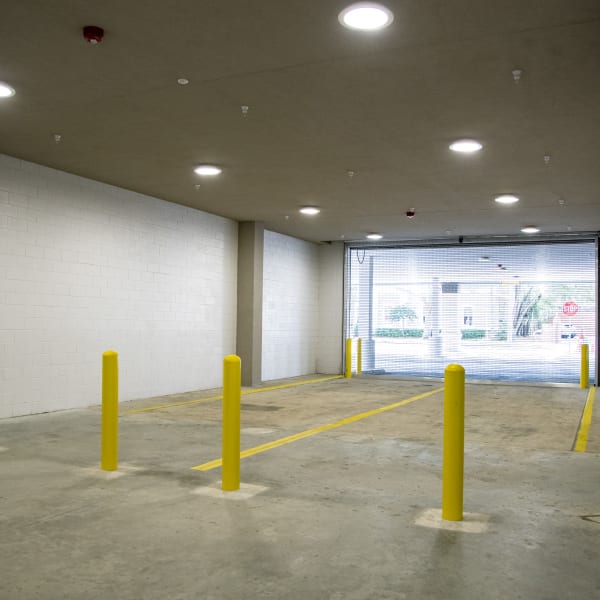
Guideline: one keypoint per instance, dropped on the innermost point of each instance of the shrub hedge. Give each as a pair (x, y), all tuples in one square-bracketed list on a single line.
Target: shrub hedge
[(473, 334), (396, 332)]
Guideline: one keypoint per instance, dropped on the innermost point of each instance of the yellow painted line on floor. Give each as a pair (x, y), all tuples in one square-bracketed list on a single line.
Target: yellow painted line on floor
[(288, 385), (586, 421), (244, 393), (161, 406), (213, 464)]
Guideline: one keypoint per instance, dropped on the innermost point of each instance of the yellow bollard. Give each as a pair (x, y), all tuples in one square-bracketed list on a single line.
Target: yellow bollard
[(358, 356), (109, 460), (454, 441), (584, 378), (348, 372), (232, 391)]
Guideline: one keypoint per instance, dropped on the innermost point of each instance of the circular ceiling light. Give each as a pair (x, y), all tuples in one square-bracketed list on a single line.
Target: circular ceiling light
[(466, 146), (366, 16), (530, 229), (207, 170), (374, 236), (310, 210), (6, 91), (506, 199)]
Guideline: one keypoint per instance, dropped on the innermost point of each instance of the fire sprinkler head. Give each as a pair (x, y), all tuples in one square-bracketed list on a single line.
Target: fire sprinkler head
[(517, 75)]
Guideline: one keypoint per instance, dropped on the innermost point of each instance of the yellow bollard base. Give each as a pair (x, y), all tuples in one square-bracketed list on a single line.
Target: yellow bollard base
[(247, 490), (452, 515), (231, 487), (472, 522)]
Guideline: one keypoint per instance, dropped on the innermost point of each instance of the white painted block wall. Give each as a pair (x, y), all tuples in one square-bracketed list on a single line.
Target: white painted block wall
[(290, 306), (86, 267)]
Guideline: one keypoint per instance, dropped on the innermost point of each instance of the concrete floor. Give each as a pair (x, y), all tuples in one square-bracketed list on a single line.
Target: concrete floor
[(337, 519)]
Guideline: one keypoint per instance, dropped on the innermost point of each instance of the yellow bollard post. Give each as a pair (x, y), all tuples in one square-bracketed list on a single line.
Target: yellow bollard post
[(348, 372), (454, 441), (232, 391), (109, 460), (358, 356), (584, 378)]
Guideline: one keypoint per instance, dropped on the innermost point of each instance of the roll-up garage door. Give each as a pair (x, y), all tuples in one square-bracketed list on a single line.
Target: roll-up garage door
[(516, 312)]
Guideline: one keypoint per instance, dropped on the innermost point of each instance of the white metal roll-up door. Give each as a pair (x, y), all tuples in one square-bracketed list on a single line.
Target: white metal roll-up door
[(516, 312)]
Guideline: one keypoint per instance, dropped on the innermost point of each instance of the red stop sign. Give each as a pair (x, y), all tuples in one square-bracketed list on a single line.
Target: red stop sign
[(570, 308)]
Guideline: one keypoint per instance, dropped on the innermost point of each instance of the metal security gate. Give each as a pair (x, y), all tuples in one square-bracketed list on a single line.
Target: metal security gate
[(516, 312)]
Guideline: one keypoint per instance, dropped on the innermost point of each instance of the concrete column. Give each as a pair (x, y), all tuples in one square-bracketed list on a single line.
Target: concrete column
[(250, 300), (434, 340), (450, 328), (365, 318), (511, 293), (331, 308)]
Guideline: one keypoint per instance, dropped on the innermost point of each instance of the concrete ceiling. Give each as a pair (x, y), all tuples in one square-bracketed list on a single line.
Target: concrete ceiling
[(323, 100)]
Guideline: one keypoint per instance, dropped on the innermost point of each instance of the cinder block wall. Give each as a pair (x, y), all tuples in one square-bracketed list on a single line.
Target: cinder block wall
[(290, 307), (86, 267)]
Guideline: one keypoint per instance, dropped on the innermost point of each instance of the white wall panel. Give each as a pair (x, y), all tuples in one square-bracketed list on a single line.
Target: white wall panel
[(86, 267), (290, 306)]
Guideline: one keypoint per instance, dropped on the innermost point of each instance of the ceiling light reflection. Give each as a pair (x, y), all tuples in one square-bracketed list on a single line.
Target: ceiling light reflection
[(466, 146), (366, 16)]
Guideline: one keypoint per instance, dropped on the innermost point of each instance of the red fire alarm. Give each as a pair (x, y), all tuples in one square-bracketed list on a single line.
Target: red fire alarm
[(93, 34)]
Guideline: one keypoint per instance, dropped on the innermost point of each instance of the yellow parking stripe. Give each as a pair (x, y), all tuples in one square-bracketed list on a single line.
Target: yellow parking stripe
[(586, 421), (288, 385), (213, 464), (244, 393), (149, 408)]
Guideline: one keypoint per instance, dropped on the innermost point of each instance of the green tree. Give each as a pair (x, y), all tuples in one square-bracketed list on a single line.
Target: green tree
[(402, 313), (526, 310), (535, 305)]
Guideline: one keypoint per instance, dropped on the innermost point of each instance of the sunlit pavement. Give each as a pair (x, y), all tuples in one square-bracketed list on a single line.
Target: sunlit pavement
[(519, 360)]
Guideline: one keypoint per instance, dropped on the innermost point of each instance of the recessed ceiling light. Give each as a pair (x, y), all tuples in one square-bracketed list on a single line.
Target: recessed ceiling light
[(506, 199), (374, 236), (466, 146), (207, 170), (530, 229), (366, 16), (6, 91), (183, 81), (310, 210)]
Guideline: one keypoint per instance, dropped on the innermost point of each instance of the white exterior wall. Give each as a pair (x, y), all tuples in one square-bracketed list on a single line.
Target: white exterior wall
[(290, 306), (86, 267)]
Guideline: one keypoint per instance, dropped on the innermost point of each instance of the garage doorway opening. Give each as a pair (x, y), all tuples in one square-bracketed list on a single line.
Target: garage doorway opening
[(512, 312)]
